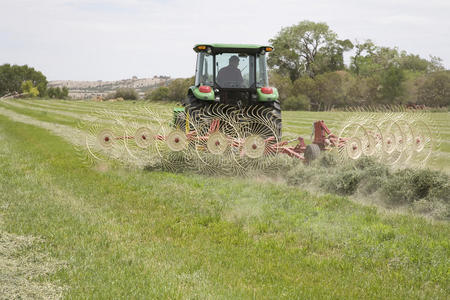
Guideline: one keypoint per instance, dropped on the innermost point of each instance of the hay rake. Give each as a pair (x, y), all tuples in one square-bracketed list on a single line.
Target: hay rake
[(225, 139)]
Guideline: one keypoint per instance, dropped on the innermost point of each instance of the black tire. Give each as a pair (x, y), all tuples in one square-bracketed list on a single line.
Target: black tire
[(312, 152), (193, 106), (275, 115)]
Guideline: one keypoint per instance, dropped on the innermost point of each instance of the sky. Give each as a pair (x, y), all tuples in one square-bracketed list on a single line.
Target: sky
[(118, 39)]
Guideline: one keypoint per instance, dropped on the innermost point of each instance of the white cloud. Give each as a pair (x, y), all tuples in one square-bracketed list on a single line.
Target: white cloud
[(112, 39)]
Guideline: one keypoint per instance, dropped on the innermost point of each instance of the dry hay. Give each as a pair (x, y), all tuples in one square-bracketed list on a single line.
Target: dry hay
[(23, 269)]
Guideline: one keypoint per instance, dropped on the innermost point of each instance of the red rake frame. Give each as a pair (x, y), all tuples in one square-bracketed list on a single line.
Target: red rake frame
[(323, 137)]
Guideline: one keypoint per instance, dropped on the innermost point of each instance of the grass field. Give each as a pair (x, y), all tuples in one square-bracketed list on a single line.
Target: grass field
[(107, 231)]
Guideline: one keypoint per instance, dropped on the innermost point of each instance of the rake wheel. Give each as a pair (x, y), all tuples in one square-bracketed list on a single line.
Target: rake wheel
[(423, 142), (103, 138), (394, 141), (141, 136), (358, 141), (172, 144), (258, 131), (254, 146), (144, 137), (353, 148), (408, 145), (176, 140), (215, 141)]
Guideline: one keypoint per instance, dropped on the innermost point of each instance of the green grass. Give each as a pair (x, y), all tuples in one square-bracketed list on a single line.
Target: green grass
[(127, 233)]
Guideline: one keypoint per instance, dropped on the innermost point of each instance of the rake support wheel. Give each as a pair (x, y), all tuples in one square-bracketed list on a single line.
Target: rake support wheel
[(312, 152)]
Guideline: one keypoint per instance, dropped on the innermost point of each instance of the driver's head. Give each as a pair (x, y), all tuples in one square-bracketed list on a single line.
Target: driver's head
[(234, 61)]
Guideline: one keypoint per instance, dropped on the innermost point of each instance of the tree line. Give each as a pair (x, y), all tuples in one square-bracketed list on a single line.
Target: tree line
[(27, 82), (307, 67), (174, 90)]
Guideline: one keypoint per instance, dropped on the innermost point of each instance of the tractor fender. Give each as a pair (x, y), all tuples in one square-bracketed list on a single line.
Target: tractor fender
[(201, 96), (267, 97)]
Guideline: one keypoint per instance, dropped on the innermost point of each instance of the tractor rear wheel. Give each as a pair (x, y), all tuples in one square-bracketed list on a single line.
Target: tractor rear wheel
[(193, 106), (275, 115)]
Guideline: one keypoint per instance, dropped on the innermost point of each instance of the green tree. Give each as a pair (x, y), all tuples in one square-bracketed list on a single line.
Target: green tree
[(64, 92), (12, 77), (176, 90), (413, 62), (52, 92), (307, 86), (362, 62), (307, 48), (435, 64), (126, 94), (58, 93), (391, 85), (393, 74), (435, 91), (362, 91), (159, 94), (331, 58), (298, 102), (327, 90), (369, 58), (29, 89), (283, 83), (331, 90)]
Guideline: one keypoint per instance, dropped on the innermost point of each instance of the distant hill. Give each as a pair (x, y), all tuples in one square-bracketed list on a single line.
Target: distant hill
[(90, 89)]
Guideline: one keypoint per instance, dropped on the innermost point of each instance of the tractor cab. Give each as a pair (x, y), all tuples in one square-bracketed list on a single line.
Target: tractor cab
[(234, 77), (232, 74)]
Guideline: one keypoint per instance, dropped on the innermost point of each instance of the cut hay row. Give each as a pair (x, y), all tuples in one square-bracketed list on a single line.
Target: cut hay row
[(136, 112), (89, 105), (20, 271), (70, 134), (48, 110), (76, 117)]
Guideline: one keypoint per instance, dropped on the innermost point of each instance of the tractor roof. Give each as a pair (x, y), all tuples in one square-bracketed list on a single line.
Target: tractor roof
[(220, 48)]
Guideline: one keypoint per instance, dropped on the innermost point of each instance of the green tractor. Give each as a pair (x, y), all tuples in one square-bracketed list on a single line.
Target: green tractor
[(233, 75)]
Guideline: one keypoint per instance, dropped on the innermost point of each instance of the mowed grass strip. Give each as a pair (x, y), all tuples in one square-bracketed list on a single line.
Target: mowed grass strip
[(84, 118), (127, 233), (119, 107), (132, 110), (41, 115)]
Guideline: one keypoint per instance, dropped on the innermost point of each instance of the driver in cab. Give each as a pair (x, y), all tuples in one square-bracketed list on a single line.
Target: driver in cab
[(230, 76)]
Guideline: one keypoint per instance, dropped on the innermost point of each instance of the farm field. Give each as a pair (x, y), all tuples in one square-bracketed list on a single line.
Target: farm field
[(118, 232)]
